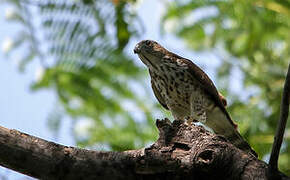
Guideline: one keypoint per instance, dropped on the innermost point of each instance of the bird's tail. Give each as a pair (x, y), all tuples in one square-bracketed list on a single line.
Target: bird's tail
[(235, 138), (219, 122)]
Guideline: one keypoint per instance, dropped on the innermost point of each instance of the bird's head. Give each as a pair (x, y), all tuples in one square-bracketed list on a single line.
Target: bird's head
[(153, 54)]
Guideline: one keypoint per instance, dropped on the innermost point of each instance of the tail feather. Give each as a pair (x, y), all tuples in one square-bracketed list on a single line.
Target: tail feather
[(239, 142), (219, 122)]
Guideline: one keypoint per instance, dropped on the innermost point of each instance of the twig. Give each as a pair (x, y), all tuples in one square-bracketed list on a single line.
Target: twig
[(284, 111)]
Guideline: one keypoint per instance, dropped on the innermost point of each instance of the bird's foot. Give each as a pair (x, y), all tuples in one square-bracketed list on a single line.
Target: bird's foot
[(191, 120)]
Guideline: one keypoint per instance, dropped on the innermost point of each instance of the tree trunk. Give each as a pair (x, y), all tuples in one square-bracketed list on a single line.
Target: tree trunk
[(182, 152)]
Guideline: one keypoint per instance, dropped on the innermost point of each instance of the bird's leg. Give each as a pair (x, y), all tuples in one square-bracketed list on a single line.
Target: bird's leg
[(177, 117), (190, 119)]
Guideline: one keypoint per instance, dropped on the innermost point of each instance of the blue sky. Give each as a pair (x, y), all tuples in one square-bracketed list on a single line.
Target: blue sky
[(26, 111)]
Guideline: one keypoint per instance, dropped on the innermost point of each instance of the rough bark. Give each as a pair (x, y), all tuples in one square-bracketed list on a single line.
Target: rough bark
[(182, 152)]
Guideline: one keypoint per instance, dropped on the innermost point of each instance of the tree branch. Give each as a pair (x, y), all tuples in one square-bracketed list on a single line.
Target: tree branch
[(182, 152), (284, 111)]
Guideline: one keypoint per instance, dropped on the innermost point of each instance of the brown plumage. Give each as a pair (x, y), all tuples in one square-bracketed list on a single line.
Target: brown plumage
[(183, 88)]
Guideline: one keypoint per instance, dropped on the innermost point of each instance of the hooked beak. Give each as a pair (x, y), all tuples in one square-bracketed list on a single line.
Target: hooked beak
[(137, 49)]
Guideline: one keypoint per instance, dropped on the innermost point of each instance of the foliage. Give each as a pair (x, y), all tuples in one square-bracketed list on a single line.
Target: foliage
[(251, 37), (81, 48)]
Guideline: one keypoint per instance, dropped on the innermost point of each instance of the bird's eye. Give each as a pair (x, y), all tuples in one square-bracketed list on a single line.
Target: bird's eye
[(147, 43)]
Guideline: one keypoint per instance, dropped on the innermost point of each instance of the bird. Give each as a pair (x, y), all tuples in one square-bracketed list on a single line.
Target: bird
[(187, 92)]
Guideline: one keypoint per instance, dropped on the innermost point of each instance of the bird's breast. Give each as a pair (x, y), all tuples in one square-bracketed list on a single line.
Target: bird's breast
[(175, 85)]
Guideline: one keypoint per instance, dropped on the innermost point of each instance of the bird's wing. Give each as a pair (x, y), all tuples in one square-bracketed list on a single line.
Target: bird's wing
[(224, 124), (208, 86), (158, 95)]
